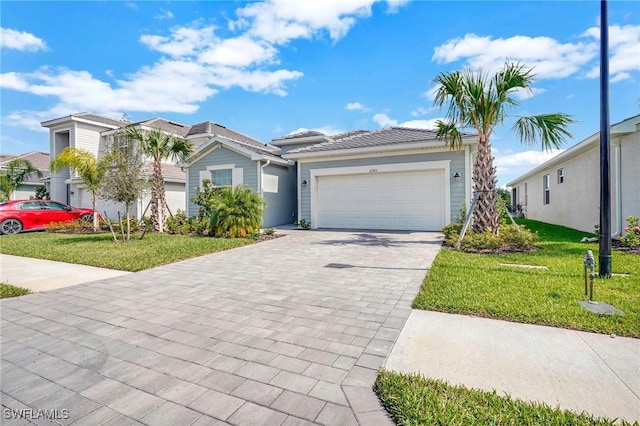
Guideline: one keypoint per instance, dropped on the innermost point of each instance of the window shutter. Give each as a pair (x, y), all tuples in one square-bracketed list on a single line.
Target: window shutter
[(204, 174), (237, 177)]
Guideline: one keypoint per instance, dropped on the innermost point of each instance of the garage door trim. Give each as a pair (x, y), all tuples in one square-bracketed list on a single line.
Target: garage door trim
[(380, 168)]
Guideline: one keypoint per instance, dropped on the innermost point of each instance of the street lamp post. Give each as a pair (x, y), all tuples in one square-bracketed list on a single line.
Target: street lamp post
[(604, 270)]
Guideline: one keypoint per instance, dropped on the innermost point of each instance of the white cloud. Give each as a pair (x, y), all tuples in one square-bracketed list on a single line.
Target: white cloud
[(421, 124), (512, 164), (328, 130), (195, 64), (420, 111), (623, 50), (431, 93), (383, 120), (526, 94), (20, 40), (620, 77), (356, 106), (279, 21), (548, 57), (164, 14)]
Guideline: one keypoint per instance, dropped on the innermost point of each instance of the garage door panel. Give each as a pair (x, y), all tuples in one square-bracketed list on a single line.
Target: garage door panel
[(395, 201)]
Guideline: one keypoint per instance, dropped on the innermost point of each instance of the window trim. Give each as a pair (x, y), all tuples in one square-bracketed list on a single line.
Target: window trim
[(546, 189)]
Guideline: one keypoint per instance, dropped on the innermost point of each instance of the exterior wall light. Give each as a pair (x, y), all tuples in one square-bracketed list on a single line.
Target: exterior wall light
[(304, 182), (457, 177)]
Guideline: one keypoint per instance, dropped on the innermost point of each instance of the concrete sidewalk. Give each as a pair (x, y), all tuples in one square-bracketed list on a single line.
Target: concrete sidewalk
[(575, 370), (43, 275)]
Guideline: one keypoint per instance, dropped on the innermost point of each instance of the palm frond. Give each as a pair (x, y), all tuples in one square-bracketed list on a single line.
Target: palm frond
[(449, 133), (550, 130)]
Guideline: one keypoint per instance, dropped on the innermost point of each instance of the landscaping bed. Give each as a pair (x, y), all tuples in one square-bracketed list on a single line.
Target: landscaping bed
[(544, 289)]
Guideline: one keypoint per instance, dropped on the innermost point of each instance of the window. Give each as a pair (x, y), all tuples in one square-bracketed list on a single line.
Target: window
[(221, 177), (52, 205), (560, 176), (30, 205), (545, 185)]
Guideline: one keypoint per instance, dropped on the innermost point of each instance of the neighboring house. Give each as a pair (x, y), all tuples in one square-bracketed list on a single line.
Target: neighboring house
[(92, 132), (566, 189), (39, 160), (228, 158), (390, 179)]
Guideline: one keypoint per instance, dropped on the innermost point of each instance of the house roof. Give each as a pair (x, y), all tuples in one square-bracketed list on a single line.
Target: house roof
[(173, 173), (164, 125), (211, 129), (84, 116), (38, 159), (391, 137), (624, 127)]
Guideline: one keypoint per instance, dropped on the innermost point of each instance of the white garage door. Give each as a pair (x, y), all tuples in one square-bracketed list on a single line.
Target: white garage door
[(390, 201)]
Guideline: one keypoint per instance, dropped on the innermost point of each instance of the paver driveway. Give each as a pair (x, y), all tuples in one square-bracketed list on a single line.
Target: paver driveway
[(288, 331)]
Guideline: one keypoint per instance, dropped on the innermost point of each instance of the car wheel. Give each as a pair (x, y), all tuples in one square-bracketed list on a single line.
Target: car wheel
[(87, 217), (10, 226)]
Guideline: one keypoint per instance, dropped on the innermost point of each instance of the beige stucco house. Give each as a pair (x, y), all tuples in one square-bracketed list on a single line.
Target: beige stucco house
[(566, 189)]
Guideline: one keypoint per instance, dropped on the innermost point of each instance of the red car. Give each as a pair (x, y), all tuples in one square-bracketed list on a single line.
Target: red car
[(26, 215)]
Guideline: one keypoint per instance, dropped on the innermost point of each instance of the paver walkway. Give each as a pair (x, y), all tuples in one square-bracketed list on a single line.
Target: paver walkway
[(289, 331)]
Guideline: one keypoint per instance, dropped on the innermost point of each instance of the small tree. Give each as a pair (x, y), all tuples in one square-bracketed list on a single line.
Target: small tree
[(42, 193), (160, 146), (480, 102), (126, 179), (89, 169), (16, 172)]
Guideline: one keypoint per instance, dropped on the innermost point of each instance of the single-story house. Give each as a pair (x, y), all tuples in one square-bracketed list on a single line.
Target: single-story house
[(566, 189), (39, 160), (228, 158), (390, 179)]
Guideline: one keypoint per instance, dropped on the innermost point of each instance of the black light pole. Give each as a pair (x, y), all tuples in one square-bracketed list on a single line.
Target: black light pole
[(604, 264)]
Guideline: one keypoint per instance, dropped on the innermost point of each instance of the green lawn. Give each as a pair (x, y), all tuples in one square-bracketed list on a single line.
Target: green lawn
[(100, 249), (477, 284), (8, 290), (414, 400)]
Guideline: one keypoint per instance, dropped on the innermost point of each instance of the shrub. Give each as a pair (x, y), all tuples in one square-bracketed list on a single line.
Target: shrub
[(631, 238), (70, 227), (269, 231), (235, 212), (180, 224), (508, 239), (302, 224)]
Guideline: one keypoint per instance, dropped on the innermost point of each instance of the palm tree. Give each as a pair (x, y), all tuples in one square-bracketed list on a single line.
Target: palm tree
[(160, 146), (479, 102), (89, 169), (16, 172), (235, 212)]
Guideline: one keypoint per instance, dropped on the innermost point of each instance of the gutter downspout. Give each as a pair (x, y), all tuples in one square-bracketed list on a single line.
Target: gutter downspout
[(261, 177)]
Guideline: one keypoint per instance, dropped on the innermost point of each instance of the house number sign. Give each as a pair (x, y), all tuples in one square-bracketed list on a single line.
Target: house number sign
[(373, 170)]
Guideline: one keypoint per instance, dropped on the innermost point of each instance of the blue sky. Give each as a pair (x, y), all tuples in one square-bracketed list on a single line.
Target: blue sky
[(271, 68)]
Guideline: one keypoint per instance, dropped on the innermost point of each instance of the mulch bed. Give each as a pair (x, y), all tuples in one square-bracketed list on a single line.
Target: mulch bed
[(265, 237)]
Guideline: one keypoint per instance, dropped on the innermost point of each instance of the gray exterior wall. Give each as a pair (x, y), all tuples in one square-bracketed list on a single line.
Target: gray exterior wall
[(220, 156), (456, 164), (281, 206)]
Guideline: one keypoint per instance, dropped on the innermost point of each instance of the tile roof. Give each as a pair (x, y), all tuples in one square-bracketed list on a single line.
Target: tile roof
[(38, 159), (363, 139), (213, 129), (169, 171), (99, 118), (165, 125), (303, 134)]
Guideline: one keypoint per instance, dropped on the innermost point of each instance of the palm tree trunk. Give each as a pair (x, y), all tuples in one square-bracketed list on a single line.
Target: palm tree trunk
[(485, 215), (95, 212), (157, 198)]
